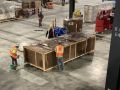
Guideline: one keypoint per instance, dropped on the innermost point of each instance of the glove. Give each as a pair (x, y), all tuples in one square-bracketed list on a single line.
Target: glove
[(18, 56)]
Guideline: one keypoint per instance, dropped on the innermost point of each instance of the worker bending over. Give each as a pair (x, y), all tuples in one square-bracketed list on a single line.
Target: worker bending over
[(50, 32), (40, 17), (59, 55), (14, 56)]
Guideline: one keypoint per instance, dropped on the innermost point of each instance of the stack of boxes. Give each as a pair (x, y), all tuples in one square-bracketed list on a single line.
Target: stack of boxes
[(91, 10), (32, 7)]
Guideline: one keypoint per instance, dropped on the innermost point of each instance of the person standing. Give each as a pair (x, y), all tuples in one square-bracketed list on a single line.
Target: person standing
[(40, 17), (14, 56), (59, 55), (50, 32)]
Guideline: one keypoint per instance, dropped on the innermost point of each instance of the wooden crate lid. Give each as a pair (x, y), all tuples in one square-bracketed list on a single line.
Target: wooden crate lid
[(67, 40)]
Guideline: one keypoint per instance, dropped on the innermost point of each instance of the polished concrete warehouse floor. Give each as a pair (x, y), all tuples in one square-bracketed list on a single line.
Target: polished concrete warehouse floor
[(85, 73)]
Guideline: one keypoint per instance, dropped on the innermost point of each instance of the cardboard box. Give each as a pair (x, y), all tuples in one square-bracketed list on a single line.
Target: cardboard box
[(18, 11), (79, 23), (70, 24), (28, 11)]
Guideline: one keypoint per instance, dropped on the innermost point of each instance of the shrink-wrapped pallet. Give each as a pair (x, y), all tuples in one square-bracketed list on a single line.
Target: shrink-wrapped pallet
[(7, 10), (1, 11), (12, 10), (91, 10)]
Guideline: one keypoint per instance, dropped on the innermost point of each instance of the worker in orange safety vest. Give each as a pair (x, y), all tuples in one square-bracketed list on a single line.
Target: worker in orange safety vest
[(59, 55), (50, 32), (40, 17), (14, 56)]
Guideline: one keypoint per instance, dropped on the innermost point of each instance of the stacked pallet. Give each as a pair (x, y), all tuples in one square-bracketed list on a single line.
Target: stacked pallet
[(71, 24), (31, 6), (91, 10), (42, 54), (7, 10)]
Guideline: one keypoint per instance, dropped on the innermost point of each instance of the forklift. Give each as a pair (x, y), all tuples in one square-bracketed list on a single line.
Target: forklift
[(47, 4)]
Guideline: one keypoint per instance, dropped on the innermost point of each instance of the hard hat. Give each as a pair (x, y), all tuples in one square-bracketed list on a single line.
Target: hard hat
[(50, 25), (59, 42), (17, 44)]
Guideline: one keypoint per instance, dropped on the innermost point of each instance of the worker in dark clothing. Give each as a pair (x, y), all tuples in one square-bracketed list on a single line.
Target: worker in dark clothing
[(40, 17), (50, 32)]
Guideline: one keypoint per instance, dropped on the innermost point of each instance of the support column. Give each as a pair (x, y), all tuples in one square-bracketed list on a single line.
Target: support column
[(113, 72), (63, 2), (71, 8)]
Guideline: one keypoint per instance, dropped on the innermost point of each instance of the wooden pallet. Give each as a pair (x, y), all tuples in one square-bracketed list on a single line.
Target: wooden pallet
[(10, 19), (44, 58), (4, 20)]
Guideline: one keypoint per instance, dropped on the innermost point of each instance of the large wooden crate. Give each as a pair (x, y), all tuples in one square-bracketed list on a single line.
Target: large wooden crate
[(44, 57), (70, 24)]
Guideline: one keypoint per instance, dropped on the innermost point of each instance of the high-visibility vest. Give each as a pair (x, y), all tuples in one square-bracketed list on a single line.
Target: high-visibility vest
[(59, 51), (49, 30), (11, 52), (39, 18)]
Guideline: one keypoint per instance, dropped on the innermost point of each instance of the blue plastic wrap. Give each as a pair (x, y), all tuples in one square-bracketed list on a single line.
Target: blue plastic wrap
[(59, 31)]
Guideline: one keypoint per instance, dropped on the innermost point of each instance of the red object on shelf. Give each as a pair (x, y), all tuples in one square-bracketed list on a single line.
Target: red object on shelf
[(104, 20)]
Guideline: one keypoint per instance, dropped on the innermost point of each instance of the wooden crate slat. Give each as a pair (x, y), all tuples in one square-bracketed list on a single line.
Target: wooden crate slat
[(90, 44), (50, 60), (29, 56), (66, 53), (39, 60), (80, 48), (72, 54)]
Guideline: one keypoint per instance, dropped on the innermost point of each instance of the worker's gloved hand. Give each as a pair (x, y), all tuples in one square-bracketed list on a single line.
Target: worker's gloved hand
[(18, 56)]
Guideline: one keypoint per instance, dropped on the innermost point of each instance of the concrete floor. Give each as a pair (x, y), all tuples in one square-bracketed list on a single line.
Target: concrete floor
[(85, 73)]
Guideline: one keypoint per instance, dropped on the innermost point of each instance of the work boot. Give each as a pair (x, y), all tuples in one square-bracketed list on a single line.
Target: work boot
[(63, 69), (15, 67), (18, 64)]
